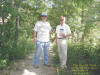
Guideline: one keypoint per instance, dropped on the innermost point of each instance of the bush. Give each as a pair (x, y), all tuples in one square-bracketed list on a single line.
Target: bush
[(80, 54), (56, 55), (83, 53), (12, 52)]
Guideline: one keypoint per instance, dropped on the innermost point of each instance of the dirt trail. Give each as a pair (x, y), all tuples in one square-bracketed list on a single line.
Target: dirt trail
[(25, 66)]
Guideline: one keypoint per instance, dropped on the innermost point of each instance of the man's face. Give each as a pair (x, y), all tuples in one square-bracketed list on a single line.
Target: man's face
[(61, 19), (44, 18)]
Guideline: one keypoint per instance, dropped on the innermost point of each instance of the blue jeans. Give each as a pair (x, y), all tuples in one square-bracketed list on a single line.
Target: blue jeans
[(39, 47)]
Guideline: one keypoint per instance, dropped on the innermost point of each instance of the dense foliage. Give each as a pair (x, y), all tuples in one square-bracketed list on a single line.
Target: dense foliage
[(18, 17)]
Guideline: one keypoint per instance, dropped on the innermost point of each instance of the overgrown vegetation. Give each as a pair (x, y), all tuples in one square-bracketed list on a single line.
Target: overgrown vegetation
[(17, 19), (81, 55), (83, 50)]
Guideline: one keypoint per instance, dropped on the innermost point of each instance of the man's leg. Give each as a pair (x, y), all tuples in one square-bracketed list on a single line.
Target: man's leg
[(64, 52), (38, 52), (46, 52), (60, 50)]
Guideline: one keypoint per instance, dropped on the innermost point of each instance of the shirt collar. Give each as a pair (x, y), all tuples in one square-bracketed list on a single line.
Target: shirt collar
[(63, 25)]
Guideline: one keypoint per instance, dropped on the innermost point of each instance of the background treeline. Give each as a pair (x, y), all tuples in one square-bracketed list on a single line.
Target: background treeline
[(17, 19)]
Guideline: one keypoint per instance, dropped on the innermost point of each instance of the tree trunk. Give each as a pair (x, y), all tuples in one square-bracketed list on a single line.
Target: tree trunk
[(18, 20), (82, 15), (17, 24), (1, 29), (2, 15), (83, 35), (12, 2)]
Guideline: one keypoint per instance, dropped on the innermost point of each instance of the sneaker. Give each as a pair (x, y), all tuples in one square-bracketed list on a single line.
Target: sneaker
[(36, 66), (47, 65)]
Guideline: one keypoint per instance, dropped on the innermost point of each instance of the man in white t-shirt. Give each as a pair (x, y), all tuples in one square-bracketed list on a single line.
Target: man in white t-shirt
[(41, 39), (62, 33)]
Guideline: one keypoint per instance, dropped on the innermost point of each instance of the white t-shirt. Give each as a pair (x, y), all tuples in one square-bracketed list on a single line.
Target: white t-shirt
[(42, 29), (65, 29)]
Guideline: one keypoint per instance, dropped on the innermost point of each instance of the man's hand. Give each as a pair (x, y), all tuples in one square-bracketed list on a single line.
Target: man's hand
[(56, 43), (34, 39), (64, 35)]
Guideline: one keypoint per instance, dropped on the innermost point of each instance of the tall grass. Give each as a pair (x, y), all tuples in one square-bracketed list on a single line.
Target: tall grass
[(11, 52), (80, 58)]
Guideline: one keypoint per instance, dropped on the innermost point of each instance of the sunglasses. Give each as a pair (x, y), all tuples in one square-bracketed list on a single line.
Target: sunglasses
[(44, 16)]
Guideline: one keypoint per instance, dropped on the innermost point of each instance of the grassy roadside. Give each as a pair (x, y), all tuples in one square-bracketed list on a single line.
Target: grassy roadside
[(83, 59), (13, 54)]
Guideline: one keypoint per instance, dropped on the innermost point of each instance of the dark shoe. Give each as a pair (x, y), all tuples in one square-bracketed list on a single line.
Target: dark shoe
[(47, 65), (36, 66)]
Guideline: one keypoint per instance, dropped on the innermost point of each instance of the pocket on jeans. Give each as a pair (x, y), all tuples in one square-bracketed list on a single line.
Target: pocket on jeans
[(37, 43), (48, 44)]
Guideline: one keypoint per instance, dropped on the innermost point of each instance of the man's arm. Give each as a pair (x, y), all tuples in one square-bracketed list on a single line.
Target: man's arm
[(56, 39), (68, 32), (66, 35), (34, 35)]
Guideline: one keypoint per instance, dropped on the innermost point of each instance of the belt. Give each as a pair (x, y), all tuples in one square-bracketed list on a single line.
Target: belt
[(61, 38)]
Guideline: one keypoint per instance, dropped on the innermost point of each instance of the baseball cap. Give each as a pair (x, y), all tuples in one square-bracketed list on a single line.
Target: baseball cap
[(44, 14)]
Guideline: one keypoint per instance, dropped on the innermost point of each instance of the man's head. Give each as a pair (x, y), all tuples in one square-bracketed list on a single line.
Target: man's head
[(44, 16), (62, 19)]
